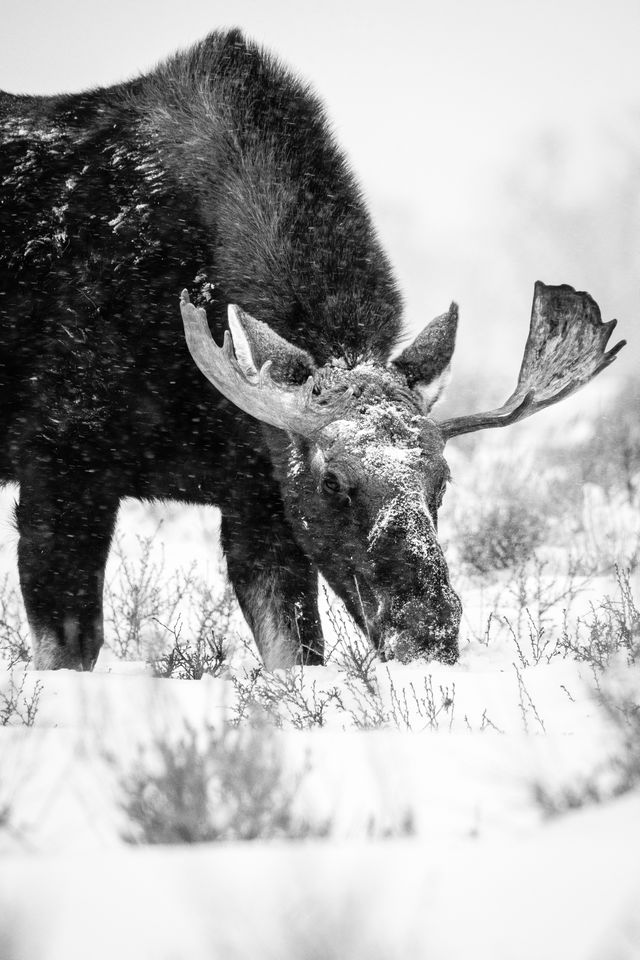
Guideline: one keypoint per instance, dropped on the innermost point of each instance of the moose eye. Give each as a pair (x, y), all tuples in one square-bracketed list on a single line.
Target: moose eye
[(331, 483), (337, 488)]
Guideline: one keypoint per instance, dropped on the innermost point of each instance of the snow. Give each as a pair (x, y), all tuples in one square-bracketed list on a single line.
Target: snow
[(541, 896), (482, 871)]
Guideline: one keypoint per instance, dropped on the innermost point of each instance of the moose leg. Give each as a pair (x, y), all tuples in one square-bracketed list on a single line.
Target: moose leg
[(277, 589), (65, 531)]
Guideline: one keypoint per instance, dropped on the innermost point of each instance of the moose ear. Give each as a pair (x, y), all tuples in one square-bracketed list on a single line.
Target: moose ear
[(425, 364), (255, 343)]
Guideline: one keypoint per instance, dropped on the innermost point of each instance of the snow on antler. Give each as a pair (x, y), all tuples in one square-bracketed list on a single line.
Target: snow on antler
[(231, 370)]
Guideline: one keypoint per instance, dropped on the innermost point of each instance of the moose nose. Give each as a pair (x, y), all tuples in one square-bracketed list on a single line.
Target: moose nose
[(444, 630), (427, 623), (447, 606)]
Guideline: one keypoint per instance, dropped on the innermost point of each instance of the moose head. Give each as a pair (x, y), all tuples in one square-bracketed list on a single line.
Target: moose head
[(361, 464)]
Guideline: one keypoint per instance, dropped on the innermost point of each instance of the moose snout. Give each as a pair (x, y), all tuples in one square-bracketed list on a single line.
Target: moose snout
[(442, 632), (418, 618), (426, 625), (420, 613)]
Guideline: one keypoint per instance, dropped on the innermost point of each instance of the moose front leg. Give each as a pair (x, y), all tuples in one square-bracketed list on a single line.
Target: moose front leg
[(65, 531), (277, 589)]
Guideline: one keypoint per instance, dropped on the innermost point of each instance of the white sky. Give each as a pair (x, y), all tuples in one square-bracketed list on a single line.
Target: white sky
[(436, 102)]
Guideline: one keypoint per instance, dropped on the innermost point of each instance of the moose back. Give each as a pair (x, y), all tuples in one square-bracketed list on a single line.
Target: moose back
[(218, 175)]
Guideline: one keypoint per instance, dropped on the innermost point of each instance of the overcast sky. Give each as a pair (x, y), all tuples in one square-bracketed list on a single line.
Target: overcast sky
[(437, 104)]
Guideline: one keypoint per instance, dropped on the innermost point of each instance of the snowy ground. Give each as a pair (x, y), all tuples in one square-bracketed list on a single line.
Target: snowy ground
[(425, 835)]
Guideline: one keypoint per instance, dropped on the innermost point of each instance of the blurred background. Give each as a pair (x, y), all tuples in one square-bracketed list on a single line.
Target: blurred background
[(497, 143)]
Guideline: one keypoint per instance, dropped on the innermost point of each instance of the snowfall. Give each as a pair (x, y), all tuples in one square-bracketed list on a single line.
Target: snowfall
[(482, 870)]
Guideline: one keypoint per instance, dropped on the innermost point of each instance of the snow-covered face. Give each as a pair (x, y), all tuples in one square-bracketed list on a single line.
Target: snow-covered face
[(363, 498)]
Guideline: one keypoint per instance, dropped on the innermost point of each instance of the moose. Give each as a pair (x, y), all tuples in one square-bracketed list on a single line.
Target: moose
[(217, 175)]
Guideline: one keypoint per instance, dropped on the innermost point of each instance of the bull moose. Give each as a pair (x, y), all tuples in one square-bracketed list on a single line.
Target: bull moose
[(217, 174)]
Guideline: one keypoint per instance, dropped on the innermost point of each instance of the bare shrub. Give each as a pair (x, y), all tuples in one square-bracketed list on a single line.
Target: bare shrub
[(486, 723), (537, 620), (370, 703), (205, 655), (596, 487), (528, 709), (225, 784), (284, 697), (611, 630), (15, 643), (422, 709), (139, 597), (16, 705), (535, 604), (178, 623), (541, 601), (608, 641), (614, 777), (366, 696), (608, 530), (206, 647), (7, 812), (610, 457), (219, 784), (622, 707), (503, 533)]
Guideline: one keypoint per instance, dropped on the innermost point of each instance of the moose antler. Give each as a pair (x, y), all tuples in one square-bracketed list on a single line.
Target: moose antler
[(565, 349), (231, 370)]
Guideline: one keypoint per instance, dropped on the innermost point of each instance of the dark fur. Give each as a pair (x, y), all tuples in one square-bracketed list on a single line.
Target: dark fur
[(217, 172)]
